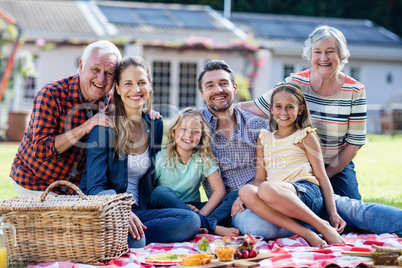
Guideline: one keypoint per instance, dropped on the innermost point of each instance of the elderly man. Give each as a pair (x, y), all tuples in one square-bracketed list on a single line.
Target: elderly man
[(64, 112), (235, 134)]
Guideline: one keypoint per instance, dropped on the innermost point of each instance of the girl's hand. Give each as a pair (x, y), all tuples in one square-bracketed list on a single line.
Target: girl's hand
[(153, 115), (196, 210), (337, 222), (135, 227), (237, 207)]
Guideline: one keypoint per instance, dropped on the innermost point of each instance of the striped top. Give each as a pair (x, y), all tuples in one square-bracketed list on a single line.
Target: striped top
[(339, 119), (284, 160)]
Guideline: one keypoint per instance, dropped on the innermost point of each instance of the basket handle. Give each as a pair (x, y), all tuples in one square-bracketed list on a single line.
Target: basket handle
[(64, 183)]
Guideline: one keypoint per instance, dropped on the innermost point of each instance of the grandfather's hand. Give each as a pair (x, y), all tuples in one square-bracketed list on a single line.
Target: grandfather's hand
[(136, 227), (153, 115), (98, 119), (237, 207)]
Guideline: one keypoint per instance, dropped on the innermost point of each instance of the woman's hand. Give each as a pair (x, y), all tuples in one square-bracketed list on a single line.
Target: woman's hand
[(337, 222), (237, 207), (136, 228)]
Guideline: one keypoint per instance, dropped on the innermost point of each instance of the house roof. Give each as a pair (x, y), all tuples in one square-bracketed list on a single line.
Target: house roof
[(66, 20), (49, 19), (150, 22), (275, 28), (155, 23)]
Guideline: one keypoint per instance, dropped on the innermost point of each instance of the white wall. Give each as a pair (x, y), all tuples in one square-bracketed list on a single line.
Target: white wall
[(374, 77), (58, 63)]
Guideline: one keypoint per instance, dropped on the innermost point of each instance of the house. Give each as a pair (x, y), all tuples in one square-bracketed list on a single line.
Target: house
[(178, 39)]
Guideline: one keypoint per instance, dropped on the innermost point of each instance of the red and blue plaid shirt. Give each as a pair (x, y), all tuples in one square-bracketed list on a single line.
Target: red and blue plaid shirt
[(57, 108)]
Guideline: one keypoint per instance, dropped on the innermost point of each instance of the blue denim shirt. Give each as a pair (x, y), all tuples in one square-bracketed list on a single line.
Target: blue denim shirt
[(106, 172)]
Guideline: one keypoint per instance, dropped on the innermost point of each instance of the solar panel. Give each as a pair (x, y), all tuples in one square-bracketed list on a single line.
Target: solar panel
[(281, 29), (363, 34), (119, 15), (289, 29), (194, 19), (156, 17)]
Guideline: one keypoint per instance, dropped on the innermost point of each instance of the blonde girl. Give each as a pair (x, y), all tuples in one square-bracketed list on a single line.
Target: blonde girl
[(290, 175), (181, 167)]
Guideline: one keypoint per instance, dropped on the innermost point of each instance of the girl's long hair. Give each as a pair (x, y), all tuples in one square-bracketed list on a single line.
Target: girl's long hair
[(124, 127), (203, 149), (304, 119)]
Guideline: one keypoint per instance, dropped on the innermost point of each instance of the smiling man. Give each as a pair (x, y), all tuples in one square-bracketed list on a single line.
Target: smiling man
[(234, 134), (64, 111)]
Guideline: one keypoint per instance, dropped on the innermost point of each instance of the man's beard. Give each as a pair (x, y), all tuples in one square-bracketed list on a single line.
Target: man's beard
[(223, 109)]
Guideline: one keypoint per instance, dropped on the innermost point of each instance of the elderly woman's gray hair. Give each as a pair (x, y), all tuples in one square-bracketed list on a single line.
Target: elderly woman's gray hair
[(322, 33)]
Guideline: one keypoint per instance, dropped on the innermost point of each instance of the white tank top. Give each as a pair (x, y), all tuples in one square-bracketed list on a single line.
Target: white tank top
[(137, 166)]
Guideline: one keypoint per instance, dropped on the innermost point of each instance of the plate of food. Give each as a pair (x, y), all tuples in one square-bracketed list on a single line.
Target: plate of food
[(163, 258)]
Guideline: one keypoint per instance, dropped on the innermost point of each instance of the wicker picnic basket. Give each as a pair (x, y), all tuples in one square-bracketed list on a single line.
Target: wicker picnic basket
[(89, 229)]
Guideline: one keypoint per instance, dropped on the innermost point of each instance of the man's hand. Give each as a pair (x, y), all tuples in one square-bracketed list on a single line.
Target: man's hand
[(153, 115), (98, 119), (237, 207), (64, 141), (136, 228)]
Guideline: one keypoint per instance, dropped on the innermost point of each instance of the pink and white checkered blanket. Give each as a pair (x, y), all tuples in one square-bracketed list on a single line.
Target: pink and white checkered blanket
[(289, 252)]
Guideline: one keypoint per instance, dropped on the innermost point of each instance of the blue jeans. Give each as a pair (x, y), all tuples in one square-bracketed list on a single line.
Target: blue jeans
[(222, 212), (166, 225), (165, 197), (371, 217), (345, 182), (310, 194)]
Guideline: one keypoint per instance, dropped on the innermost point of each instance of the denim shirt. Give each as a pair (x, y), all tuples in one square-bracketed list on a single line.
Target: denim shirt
[(107, 173)]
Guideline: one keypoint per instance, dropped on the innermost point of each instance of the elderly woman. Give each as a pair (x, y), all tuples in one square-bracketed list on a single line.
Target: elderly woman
[(337, 103)]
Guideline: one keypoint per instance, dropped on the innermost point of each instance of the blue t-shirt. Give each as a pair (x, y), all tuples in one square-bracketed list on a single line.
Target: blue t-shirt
[(184, 180)]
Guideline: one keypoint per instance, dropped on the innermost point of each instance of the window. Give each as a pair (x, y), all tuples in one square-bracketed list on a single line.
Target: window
[(389, 78), (187, 85), (287, 70), (355, 73), (161, 86), (30, 83)]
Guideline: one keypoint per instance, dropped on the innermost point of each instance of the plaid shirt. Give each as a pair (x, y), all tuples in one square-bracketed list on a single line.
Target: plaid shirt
[(236, 155), (58, 108)]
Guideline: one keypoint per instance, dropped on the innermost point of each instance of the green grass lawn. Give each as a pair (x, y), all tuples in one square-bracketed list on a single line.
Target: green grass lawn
[(378, 167)]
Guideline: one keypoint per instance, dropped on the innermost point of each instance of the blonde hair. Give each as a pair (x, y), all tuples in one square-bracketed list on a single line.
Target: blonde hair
[(203, 149), (124, 127)]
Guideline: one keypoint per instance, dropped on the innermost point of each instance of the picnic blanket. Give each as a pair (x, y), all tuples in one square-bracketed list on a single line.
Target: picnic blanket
[(289, 252)]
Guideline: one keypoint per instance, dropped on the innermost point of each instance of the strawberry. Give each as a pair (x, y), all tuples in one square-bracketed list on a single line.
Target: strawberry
[(245, 254), (253, 253)]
